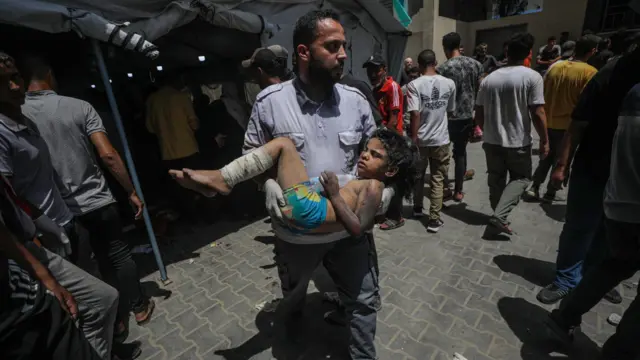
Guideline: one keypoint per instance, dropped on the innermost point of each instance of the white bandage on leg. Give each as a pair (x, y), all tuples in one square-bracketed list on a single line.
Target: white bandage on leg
[(247, 167)]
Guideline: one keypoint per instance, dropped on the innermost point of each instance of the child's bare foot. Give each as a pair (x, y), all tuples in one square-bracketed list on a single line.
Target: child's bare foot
[(211, 178), (205, 182)]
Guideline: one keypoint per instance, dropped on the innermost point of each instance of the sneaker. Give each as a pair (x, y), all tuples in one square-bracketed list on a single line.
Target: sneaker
[(417, 213), (458, 196), (551, 294), (614, 319), (501, 227), (434, 225), (533, 193), (469, 174), (613, 297), (558, 327)]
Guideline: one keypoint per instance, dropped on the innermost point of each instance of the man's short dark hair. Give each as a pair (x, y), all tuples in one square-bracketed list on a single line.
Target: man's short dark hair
[(520, 46), (36, 68), (585, 44), (551, 38), (413, 70), (427, 58), (306, 28), (451, 41)]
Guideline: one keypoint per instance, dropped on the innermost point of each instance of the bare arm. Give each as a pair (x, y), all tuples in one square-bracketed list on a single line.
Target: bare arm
[(18, 253), (539, 118), (112, 160), (415, 125)]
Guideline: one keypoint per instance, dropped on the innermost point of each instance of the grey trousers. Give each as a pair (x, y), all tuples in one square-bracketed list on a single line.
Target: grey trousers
[(353, 266), (97, 301), (517, 164)]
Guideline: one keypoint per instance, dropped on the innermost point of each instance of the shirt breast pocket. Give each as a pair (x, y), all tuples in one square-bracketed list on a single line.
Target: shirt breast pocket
[(298, 140), (349, 143)]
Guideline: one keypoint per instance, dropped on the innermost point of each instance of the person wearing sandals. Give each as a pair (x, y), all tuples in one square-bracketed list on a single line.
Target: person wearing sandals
[(73, 131)]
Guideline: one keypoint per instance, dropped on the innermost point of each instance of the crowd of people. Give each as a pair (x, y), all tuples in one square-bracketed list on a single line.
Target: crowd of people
[(334, 156)]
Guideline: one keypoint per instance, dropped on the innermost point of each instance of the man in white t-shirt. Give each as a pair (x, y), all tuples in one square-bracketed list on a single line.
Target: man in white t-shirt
[(509, 100), (429, 100)]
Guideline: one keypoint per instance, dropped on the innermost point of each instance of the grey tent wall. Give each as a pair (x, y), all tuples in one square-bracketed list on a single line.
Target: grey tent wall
[(396, 44), (128, 158)]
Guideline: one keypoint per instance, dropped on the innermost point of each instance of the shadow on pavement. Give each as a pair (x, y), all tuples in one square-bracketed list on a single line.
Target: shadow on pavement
[(316, 339), (527, 321), (555, 211), (463, 213), (537, 272)]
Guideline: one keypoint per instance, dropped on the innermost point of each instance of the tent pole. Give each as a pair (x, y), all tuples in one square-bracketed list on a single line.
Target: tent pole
[(129, 159)]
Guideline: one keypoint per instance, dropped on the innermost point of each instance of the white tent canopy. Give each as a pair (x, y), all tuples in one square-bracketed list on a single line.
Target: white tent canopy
[(136, 24)]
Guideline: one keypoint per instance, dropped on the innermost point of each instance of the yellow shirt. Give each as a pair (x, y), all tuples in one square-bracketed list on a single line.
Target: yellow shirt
[(563, 85), (171, 117)]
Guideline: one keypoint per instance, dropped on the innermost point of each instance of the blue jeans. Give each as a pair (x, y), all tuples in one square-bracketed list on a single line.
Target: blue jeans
[(583, 234), (353, 267)]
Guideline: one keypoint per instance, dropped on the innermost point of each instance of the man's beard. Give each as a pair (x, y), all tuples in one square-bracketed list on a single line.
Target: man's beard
[(322, 76)]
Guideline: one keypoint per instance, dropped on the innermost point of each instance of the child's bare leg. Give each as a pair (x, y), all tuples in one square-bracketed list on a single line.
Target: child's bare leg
[(291, 170)]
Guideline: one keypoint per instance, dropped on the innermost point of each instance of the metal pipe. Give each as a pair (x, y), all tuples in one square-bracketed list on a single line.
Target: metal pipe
[(128, 158)]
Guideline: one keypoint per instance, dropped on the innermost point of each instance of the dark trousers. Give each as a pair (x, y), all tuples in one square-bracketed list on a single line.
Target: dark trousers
[(394, 212), (183, 199), (516, 163), (353, 266), (583, 229), (547, 164), (460, 132), (622, 261), (103, 228)]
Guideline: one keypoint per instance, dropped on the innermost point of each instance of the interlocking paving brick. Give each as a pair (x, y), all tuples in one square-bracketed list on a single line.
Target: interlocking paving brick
[(421, 294), (385, 333), (501, 329), (471, 275), (489, 280), (217, 316), (411, 347), (174, 344), (451, 292), (227, 297), (403, 303), (470, 316), (475, 302), (206, 338), (462, 331), (412, 326), (444, 342), (447, 280), (433, 317)]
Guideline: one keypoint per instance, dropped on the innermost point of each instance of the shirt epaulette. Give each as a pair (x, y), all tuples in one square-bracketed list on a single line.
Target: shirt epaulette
[(352, 89), (270, 90)]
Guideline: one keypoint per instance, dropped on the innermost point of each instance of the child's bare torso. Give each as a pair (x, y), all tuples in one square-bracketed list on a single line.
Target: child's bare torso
[(351, 194)]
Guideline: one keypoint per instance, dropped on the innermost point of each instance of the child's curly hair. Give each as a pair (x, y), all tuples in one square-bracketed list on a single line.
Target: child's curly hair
[(404, 155)]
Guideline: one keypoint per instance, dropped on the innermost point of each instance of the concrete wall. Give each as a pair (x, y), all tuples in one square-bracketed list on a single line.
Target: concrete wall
[(557, 16)]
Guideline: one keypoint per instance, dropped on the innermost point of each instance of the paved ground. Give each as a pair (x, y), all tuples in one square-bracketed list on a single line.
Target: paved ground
[(444, 293)]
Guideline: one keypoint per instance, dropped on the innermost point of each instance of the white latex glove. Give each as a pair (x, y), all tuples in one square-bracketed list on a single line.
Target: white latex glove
[(53, 236), (274, 199), (387, 194)]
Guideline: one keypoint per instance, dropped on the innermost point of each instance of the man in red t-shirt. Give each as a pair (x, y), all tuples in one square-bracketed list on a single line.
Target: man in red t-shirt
[(387, 92)]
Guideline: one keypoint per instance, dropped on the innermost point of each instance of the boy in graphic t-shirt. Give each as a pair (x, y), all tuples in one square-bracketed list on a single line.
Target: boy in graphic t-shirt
[(430, 98)]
